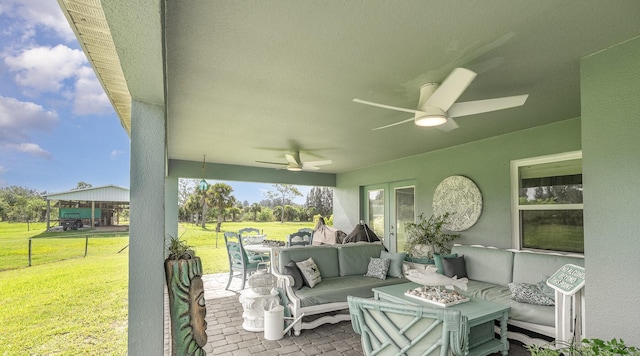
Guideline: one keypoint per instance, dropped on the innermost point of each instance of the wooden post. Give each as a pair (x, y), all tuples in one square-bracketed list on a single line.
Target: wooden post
[(86, 245), (29, 252)]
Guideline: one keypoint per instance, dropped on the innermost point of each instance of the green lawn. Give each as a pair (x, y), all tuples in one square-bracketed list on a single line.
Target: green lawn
[(65, 304)]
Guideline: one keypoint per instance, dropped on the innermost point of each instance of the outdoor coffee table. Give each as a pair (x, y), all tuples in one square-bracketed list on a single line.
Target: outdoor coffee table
[(480, 315)]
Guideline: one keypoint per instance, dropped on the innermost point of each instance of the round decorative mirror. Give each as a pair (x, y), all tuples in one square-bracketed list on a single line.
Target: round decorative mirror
[(460, 197)]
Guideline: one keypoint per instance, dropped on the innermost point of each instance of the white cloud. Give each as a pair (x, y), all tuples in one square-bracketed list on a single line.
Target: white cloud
[(18, 119), (30, 148), (115, 154), (44, 69), (90, 96), (35, 14)]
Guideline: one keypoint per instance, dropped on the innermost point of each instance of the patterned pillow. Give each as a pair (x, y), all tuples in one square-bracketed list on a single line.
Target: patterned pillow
[(529, 293), (310, 272), (546, 290), (378, 268)]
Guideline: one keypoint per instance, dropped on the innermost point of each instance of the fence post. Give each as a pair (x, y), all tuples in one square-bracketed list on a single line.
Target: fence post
[(86, 245), (29, 252)]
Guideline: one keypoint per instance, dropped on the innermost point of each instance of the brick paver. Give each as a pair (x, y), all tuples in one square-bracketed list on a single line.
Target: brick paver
[(226, 337)]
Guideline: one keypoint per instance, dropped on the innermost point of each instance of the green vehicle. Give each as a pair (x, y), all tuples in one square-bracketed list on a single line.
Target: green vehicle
[(71, 221)]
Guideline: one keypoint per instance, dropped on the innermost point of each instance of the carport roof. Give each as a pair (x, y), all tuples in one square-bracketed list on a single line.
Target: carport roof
[(111, 193)]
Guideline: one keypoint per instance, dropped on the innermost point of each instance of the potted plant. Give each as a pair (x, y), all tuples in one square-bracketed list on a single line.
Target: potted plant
[(427, 236), (187, 310)]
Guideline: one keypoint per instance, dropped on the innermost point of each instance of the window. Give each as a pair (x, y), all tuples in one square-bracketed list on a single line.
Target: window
[(547, 203)]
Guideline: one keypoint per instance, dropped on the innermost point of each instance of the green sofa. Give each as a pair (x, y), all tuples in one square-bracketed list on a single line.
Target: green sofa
[(342, 268), (490, 270)]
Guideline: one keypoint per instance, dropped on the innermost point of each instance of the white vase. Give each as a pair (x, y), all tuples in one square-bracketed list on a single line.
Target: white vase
[(423, 251)]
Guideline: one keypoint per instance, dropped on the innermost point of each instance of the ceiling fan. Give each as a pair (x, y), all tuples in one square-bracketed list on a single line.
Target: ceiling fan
[(295, 164), (437, 106)]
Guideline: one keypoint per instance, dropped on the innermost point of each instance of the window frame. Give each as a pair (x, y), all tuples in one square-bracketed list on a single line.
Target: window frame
[(516, 208)]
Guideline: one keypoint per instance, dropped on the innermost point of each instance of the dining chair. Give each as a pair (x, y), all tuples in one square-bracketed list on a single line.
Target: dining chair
[(302, 237), (240, 263), (402, 329), (252, 236)]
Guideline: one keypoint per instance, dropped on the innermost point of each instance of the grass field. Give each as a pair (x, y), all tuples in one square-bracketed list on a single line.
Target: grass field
[(66, 304)]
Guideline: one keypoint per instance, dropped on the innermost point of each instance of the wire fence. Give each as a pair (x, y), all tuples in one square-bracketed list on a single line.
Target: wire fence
[(19, 253)]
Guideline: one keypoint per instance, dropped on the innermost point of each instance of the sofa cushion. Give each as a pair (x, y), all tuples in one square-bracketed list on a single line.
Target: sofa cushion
[(395, 266), (487, 264), (530, 267), (326, 257), (537, 314), (454, 267), (336, 289), (353, 258), (378, 268), (310, 272)]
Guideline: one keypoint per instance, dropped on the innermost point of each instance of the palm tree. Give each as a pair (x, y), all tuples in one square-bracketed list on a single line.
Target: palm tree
[(221, 198), (255, 208)]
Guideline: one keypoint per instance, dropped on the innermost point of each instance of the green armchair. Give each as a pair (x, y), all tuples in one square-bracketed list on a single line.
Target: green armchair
[(395, 329)]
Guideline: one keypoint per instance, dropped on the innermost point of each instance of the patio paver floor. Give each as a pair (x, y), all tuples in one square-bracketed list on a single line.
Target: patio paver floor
[(226, 337)]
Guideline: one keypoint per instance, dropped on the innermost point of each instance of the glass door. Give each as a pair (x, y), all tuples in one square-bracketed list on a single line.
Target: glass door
[(387, 208), (402, 211)]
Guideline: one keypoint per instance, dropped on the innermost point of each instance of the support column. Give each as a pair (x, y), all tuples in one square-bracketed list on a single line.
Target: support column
[(48, 214), (171, 207), (147, 230)]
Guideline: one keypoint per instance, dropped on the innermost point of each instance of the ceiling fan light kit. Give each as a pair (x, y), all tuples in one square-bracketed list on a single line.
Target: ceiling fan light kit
[(430, 119), (295, 164), (437, 105)]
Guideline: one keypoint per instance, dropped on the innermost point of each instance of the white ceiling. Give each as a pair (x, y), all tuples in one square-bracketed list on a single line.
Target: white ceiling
[(247, 80)]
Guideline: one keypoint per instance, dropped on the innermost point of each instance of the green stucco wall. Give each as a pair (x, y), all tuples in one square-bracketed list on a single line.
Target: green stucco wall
[(610, 93), (486, 162)]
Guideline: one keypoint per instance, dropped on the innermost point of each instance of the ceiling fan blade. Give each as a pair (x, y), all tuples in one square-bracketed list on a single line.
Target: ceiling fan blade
[(317, 163), (451, 88), (310, 168), (413, 111), (450, 125), (482, 106), (394, 124), (293, 158), (278, 163)]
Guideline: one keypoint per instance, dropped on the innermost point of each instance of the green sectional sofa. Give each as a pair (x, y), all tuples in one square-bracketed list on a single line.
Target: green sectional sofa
[(342, 268), (490, 270)]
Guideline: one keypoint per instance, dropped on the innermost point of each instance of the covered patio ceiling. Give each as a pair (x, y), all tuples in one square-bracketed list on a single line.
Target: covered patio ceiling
[(246, 81)]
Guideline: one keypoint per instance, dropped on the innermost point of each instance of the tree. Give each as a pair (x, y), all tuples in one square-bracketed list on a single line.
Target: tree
[(320, 201), (221, 199), (21, 204), (284, 192), (255, 208)]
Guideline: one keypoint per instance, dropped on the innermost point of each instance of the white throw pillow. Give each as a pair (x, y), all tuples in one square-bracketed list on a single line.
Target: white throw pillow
[(310, 272)]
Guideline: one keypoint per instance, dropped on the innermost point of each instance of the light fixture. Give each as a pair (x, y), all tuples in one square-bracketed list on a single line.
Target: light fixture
[(203, 185), (294, 167), (430, 120), (429, 116)]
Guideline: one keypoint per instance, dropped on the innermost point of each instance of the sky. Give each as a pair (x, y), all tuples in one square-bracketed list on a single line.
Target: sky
[(57, 126)]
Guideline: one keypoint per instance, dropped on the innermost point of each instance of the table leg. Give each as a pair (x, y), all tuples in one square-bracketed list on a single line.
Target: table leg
[(503, 333)]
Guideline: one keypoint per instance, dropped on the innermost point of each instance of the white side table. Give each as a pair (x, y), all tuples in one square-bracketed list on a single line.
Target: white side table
[(254, 306)]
